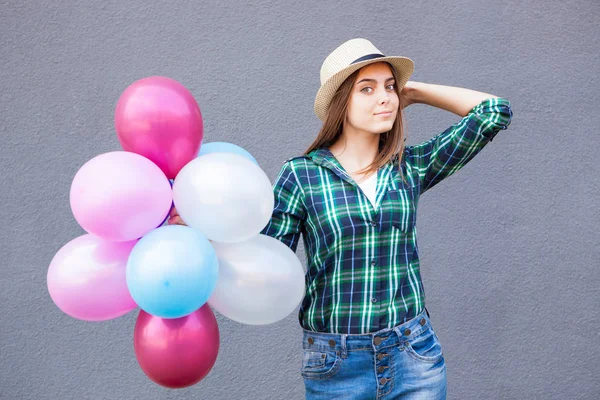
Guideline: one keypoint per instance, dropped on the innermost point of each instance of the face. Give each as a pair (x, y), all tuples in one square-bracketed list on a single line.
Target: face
[(373, 103)]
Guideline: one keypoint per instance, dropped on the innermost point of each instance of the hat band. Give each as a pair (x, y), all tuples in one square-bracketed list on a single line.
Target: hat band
[(367, 57)]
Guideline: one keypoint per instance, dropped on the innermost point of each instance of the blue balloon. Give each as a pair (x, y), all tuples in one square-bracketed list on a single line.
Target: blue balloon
[(224, 147), (172, 271)]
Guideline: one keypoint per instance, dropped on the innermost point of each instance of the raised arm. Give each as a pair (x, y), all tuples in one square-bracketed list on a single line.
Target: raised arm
[(484, 115), (457, 100)]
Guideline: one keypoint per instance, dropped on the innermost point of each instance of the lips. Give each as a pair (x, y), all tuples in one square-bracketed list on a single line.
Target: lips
[(384, 113)]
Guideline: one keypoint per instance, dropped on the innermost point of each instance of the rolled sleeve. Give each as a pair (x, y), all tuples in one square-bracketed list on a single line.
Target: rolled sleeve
[(452, 149), (492, 116)]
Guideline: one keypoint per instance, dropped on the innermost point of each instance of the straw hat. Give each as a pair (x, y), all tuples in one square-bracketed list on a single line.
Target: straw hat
[(349, 57)]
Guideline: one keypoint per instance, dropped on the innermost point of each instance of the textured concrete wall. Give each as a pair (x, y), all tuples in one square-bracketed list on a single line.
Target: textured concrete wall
[(509, 245)]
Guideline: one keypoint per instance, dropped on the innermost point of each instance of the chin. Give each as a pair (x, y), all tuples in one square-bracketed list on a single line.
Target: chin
[(381, 128)]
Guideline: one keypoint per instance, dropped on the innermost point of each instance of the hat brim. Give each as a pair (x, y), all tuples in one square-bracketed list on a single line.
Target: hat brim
[(404, 68)]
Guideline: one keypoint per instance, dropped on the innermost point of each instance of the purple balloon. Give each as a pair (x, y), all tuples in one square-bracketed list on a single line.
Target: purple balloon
[(159, 118), (179, 352), (164, 221), (86, 279), (120, 196)]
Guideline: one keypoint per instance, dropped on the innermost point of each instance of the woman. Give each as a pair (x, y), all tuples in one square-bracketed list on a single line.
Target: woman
[(353, 195)]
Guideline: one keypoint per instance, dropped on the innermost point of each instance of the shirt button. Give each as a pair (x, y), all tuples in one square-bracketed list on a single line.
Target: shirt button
[(373, 263), (374, 223), (374, 300)]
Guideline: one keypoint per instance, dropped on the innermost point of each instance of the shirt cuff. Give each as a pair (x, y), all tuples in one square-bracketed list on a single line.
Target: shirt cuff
[(494, 114)]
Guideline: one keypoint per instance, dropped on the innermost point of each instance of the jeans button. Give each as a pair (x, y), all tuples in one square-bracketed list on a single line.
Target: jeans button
[(383, 381), (422, 322), (332, 343), (311, 340), (377, 341), (407, 332)]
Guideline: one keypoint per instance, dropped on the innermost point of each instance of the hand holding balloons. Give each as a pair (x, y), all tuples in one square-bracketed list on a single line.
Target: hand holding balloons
[(175, 218)]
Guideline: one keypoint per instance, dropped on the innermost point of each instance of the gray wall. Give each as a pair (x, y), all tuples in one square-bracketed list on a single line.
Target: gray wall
[(509, 245)]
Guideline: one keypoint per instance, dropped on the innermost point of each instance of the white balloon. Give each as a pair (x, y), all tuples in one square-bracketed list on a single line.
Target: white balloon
[(261, 281), (225, 196)]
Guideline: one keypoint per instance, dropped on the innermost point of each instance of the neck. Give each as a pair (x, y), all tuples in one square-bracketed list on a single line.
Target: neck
[(355, 149)]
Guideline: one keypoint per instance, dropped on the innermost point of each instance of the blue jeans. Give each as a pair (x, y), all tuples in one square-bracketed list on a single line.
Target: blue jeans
[(405, 362)]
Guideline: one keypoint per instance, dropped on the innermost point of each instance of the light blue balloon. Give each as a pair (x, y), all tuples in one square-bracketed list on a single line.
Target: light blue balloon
[(224, 147), (172, 271)]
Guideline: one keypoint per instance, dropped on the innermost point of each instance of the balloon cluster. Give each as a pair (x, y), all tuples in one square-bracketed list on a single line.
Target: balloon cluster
[(130, 258)]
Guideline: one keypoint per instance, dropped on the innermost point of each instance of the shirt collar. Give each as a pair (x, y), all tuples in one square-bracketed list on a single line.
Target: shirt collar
[(319, 155), (323, 157), (323, 153)]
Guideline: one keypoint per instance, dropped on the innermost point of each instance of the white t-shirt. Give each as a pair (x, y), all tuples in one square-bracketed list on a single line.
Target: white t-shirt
[(369, 187)]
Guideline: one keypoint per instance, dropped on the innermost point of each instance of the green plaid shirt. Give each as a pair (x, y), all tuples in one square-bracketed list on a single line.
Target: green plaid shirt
[(363, 270)]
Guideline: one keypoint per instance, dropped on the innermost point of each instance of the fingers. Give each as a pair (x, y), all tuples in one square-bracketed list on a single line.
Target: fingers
[(176, 220)]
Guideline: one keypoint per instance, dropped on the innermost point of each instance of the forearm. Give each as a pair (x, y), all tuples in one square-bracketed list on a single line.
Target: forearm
[(450, 98)]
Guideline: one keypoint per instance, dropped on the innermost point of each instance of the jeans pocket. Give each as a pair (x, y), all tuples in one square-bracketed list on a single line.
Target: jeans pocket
[(320, 364), (425, 347)]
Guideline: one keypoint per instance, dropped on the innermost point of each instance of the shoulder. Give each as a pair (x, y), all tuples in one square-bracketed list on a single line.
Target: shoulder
[(292, 164), (298, 162), (296, 159), (302, 168)]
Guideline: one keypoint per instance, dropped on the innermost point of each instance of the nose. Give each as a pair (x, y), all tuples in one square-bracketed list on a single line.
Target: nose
[(384, 97)]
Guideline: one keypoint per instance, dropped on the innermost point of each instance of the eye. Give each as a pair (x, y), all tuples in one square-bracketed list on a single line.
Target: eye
[(391, 86), (367, 89)]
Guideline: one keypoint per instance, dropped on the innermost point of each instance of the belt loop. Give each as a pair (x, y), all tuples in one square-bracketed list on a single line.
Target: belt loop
[(397, 330), (343, 344)]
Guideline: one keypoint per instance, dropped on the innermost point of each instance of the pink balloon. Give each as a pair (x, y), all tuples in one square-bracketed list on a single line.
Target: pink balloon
[(120, 196), (179, 352), (86, 279), (159, 118)]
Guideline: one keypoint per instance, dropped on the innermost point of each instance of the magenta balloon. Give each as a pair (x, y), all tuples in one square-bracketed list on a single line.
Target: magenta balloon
[(86, 279), (120, 196), (179, 352), (159, 118)]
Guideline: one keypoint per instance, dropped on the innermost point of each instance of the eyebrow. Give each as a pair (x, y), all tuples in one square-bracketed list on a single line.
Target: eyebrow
[(374, 80)]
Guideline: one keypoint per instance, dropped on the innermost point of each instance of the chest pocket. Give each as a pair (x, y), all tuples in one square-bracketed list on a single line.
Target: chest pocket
[(403, 208)]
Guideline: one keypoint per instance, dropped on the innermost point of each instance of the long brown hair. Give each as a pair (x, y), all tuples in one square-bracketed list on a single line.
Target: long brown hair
[(391, 143)]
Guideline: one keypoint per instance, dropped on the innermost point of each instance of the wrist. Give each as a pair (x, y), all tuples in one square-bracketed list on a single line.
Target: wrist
[(414, 91)]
